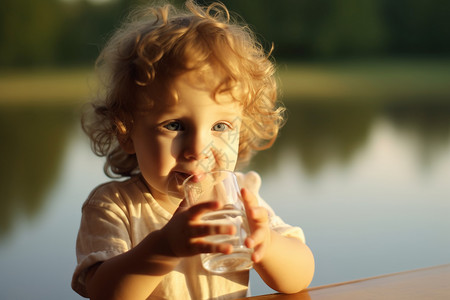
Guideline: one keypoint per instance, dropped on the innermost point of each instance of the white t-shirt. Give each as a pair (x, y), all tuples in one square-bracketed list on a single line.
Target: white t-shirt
[(118, 215)]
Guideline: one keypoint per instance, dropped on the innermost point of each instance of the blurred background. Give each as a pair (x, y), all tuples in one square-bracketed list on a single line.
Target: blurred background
[(362, 164)]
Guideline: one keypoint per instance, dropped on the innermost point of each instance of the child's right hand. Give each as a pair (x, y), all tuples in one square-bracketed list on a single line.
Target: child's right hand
[(184, 233)]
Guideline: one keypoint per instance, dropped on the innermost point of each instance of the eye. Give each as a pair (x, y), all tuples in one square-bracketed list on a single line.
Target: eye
[(174, 126), (220, 127)]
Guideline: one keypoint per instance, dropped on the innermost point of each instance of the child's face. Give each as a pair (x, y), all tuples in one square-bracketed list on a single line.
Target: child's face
[(197, 134)]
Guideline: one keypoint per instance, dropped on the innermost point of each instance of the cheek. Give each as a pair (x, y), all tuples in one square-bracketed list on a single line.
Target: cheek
[(175, 147), (232, 140), (226, 150), (166, 151), (156, 156)]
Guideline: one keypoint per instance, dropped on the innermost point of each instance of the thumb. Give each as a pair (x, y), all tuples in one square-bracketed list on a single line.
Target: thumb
[(249, 199), (182, 206)]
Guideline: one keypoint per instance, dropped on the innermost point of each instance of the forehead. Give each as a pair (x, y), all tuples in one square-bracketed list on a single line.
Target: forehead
[(208, 81), (206, 77), (204, 82), (191, 93)]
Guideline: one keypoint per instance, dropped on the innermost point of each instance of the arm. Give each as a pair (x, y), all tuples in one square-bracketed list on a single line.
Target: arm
[(136, 273), (133, 274), (285, 264)]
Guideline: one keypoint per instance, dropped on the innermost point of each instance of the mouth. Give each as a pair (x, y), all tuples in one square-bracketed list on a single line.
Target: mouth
[(175, 184), (180, 177)]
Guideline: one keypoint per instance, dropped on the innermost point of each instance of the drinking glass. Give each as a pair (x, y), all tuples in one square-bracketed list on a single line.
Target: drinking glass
[(222, 186)]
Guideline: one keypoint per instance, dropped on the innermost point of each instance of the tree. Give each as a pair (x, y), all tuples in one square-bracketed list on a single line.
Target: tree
[(29, 31)]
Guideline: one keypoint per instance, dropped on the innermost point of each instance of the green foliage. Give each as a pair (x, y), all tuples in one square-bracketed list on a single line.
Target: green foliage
[(34, 141), (323, 29), (50, 32), (29, 31)]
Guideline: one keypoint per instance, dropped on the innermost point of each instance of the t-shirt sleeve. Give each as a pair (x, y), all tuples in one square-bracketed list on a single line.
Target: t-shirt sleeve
[(277, 224), (252, 181), (103, 233)]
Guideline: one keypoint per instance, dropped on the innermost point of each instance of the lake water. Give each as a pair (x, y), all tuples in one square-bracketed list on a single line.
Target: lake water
[(367, 183)]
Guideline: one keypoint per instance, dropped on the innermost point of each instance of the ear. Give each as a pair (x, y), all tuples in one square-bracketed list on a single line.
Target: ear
[(124, 138), (127, 144)]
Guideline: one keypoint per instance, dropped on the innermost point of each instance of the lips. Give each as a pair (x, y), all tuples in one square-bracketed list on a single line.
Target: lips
[(179, 177), (185, 174), (175, 184)]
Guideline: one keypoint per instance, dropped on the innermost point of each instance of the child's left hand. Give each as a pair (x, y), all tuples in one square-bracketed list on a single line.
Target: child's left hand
[(258, 220)]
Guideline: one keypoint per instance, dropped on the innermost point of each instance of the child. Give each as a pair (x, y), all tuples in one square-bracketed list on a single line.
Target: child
[(185, 94)]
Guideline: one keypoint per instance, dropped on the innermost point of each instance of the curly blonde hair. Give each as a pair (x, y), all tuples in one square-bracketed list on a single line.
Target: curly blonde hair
[(154, 46)]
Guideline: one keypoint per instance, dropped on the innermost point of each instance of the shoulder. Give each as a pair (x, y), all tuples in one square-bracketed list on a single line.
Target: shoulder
[(114, 192)]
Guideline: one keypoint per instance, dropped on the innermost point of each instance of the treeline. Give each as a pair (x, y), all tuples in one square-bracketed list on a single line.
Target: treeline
[(68, 32)]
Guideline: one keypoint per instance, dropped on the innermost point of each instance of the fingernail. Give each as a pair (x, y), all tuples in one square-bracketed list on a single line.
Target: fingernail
[(255, 257)]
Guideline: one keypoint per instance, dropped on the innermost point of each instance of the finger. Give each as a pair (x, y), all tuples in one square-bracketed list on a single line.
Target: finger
[(203, 247), (258, 214), (182, 206), (197, 210), (249, 199), (184, 203), (258, 253), (202, 230), (256, 238)]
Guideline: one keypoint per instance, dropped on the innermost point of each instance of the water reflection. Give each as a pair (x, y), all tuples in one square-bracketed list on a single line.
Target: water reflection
[(334, 132), (320, 134), (427, 123), (33, 142), (47, 170)]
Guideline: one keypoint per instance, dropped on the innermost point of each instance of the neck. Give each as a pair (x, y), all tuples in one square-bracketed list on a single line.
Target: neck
[(166, 201)]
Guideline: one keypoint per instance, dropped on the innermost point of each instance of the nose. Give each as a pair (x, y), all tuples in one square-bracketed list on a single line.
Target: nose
[(198, 146)]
